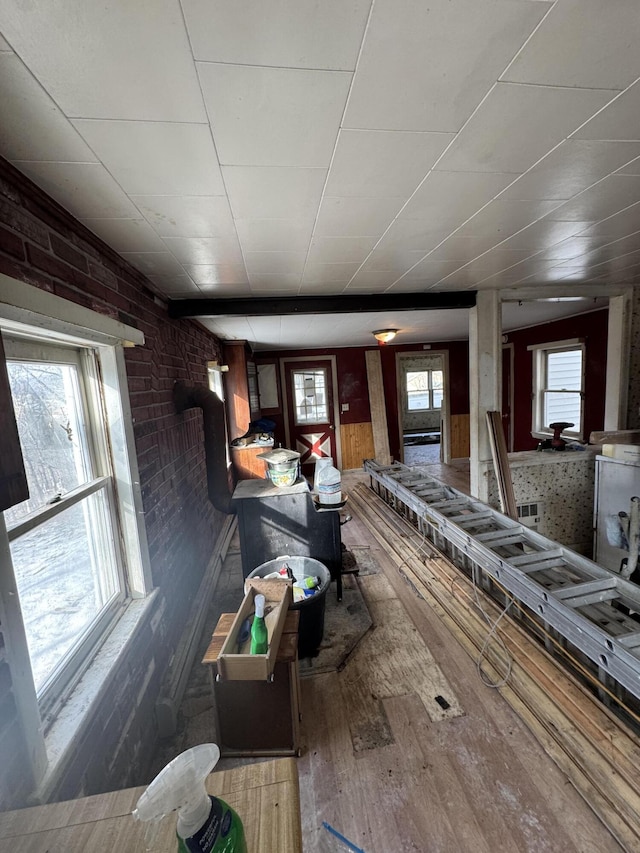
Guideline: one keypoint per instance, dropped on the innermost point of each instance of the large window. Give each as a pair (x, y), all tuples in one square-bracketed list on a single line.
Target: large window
[(424, 390), (63, 539), (558, 386)]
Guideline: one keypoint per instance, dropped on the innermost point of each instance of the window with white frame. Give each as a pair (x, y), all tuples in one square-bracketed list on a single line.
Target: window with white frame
[(424, 390), (74, 544), (558, 386)]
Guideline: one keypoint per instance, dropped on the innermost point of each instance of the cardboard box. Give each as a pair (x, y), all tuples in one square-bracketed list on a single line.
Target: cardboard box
[(626, 452), (236, 666)]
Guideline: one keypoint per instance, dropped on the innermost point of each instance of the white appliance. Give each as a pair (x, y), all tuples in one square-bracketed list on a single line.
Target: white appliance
[(617, 481)]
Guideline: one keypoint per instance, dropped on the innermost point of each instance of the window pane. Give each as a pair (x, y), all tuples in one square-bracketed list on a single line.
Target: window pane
[(437, 379), (66, 573), (309, 388), (562, 406), (437, 399), (564, 370), (47, 403)]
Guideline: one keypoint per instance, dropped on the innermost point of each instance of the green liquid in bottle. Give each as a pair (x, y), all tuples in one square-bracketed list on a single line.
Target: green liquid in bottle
[(259, 634)]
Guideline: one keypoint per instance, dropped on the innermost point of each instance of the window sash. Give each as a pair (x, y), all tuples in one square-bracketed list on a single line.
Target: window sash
[(92, 426), (542, 393)]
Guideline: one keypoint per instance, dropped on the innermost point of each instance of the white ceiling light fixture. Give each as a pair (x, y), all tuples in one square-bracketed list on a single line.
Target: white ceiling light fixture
[(383, 336)]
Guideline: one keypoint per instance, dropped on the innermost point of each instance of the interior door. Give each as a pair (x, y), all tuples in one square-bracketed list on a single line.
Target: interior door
[(311, 425)]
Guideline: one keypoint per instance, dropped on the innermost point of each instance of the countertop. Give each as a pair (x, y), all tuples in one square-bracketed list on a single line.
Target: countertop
[(265, 795)]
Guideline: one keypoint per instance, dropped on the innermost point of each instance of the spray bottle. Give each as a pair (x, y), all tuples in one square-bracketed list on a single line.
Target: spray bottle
[(205, 824)]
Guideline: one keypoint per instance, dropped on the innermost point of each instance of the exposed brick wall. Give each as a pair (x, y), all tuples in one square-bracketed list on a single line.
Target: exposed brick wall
[(41, 244)]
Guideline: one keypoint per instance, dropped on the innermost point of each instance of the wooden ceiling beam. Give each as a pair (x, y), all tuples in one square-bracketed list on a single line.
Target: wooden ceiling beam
[(265, 306)]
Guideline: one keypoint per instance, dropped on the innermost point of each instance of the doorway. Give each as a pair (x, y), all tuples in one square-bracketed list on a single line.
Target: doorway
[(423, 407), (311, 409)]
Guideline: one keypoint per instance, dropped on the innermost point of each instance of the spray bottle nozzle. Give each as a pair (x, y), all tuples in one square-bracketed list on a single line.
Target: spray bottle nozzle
[(180, 786)]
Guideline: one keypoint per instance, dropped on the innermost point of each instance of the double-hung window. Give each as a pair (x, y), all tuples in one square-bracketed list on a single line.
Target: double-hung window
[(424, 390), (558, 386), (64, 539)]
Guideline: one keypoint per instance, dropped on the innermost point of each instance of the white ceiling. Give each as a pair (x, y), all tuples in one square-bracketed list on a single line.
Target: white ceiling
[(251, 148)]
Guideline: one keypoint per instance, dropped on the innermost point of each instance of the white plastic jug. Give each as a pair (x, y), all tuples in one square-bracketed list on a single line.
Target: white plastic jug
[(329, 486), (323, 462)]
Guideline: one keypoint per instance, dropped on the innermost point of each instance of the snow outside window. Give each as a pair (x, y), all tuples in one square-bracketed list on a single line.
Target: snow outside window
[(424, 390), (65, 540), (558, 387)]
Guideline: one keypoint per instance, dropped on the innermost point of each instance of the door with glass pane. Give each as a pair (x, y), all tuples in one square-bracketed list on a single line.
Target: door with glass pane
[(311, 420)]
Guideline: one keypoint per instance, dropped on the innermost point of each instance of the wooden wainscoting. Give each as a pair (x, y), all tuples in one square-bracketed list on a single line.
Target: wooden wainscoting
[(460, 448), (357, 444)]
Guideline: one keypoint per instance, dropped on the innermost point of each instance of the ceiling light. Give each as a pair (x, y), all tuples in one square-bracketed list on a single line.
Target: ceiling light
[(562, 299), (383, 336)]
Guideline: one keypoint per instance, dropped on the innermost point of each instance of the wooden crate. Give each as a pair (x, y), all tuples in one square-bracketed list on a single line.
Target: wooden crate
[(233, 666)]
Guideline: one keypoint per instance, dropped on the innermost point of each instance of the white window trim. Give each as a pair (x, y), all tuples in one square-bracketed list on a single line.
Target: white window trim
[(430, 390), (538, 351), (28, 310)]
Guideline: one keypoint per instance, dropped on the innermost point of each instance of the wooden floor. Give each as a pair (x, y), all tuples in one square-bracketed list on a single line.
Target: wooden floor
[(407, 750)]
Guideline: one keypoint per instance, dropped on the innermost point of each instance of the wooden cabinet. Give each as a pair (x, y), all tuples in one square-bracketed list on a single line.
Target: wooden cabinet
[(241, 388), (254, 718), (246, 464)]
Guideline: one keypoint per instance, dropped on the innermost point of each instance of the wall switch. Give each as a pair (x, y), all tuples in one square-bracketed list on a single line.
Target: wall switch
[(344, 407)]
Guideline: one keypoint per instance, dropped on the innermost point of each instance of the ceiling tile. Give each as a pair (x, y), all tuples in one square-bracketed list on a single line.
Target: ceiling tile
[(4, 44), (115, 60), (187, 216), (205, 250), (331, 288), (531, 119), (336, 250), (605, 198), (572, 247), (279, 235), (618, 120), (619, 225), (462, 249), (632, 168), (37, 129), (375, 279), (156, 263), (450, 53), (274, 263), (289, 33), (328, 273), (273, 116), (284, 284), (383, 164), (501, 219), (572, 167), (156, 158), (356, 217), (587, 43), (233, 291), (464, 193), (126, 235), (180, 286), (217, 273), (86, 190), (275, 192), (392, 261), (542, 235), (429, 271)]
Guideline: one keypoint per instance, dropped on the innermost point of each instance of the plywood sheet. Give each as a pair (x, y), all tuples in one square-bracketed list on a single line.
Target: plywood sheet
[(378, 409)]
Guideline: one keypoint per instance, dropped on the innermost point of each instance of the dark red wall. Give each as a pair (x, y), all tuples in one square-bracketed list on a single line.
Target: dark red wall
[(592, 328), (353, 385)]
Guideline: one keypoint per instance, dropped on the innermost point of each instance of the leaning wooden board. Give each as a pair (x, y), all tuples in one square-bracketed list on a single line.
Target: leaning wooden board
[(265, 795)]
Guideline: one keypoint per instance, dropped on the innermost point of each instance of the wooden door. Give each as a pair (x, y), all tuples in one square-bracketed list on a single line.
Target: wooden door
[(311, 428)]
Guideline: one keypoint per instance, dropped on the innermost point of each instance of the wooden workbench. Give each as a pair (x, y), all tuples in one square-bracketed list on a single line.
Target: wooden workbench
[(265, 795)]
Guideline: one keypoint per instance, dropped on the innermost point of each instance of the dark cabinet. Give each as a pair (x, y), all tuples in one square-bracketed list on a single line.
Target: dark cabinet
[(241, 388), (275, 521)]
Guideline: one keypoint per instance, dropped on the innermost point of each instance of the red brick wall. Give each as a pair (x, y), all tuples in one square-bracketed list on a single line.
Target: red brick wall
[(44, 246)]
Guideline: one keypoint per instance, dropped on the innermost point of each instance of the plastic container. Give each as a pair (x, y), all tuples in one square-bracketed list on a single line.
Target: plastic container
[(283, 466), (323, 462), (311, 609), (329, 485)]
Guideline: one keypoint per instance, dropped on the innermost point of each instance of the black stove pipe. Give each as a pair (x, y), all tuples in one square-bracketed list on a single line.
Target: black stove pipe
[(215, 439)]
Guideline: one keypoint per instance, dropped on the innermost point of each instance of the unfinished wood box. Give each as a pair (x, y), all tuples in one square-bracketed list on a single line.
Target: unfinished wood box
[(233, 666)]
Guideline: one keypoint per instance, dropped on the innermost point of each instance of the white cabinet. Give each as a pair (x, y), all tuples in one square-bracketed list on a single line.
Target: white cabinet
[(617, 481)]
